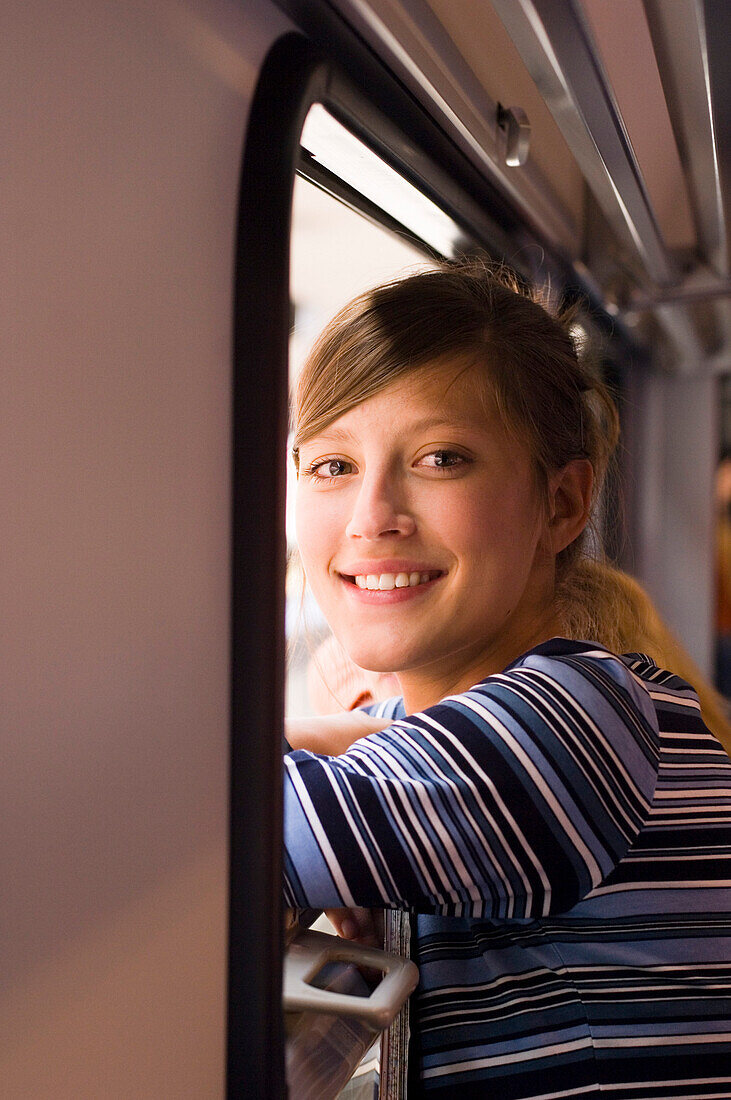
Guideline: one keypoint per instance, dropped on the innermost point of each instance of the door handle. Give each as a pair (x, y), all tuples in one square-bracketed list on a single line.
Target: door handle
[(310, 951)]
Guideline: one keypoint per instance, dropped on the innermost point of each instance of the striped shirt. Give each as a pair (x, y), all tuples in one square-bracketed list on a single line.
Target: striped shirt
[(561, 835)]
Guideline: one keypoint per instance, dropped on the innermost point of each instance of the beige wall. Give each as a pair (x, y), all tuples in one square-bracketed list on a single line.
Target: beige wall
[(121, 136)]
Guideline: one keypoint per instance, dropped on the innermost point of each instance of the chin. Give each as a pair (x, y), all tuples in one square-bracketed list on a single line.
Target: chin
[(369, 661), (373, 658)]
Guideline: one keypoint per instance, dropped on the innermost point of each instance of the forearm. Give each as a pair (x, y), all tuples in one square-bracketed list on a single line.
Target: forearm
[(331, 734)]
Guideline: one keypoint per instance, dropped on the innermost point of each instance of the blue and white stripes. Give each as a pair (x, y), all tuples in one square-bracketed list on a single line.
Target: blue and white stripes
[(561, 834)]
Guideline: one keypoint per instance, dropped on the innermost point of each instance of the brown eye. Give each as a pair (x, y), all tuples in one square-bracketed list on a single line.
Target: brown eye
[(330, 467), (442, 460), (446, 458)]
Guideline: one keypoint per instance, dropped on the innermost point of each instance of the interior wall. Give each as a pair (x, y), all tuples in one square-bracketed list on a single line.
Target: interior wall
[(671, 441), (122, 137)]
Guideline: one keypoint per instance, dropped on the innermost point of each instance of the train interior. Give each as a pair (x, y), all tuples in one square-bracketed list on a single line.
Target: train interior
[(192, 188)]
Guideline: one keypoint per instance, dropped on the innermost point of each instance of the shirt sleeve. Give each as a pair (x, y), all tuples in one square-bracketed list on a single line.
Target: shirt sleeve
[(512, 800)]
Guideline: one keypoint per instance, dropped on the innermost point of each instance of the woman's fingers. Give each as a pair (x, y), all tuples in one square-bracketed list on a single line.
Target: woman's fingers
[(360, 925)]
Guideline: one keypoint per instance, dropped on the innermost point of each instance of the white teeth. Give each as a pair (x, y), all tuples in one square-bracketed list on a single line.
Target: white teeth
[(385, 582)]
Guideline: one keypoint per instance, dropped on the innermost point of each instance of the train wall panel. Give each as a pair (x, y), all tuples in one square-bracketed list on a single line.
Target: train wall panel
[(122, 151)]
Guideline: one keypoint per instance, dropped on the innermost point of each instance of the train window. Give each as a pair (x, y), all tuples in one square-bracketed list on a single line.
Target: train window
[(329, 146)]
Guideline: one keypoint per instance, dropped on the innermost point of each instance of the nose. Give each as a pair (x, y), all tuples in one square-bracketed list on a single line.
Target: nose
[(379, 511)]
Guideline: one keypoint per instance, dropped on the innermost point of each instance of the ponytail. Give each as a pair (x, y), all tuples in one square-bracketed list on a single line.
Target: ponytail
[(601, 603)]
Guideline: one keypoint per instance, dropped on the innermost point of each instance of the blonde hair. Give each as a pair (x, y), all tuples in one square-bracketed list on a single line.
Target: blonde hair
[(611, 607), (547, 395)]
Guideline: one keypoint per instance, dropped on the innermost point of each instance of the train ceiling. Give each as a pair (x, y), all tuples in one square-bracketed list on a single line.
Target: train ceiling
[(629, 106)]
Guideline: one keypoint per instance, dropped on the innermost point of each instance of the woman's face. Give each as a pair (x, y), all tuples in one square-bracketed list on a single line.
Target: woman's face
[(421, 532)]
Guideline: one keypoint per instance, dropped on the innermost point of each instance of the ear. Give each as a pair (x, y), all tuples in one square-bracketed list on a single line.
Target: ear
[(569, 500)]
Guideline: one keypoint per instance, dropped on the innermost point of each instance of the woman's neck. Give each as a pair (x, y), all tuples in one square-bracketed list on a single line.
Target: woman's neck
[(425, 686)]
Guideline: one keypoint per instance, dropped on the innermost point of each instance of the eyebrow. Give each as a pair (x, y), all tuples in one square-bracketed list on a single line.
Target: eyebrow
[(427, 423)]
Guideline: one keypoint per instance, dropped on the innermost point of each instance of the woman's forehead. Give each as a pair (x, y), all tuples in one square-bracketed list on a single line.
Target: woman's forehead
[(436, 394)]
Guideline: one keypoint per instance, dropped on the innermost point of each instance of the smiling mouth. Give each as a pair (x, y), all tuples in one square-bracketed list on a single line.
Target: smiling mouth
[(386, 582)]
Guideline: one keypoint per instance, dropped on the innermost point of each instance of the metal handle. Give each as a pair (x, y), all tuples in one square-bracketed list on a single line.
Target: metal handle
[(308, 953), (513, 121)]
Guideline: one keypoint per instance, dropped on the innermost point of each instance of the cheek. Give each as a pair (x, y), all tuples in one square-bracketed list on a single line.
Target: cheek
[(501, 523), (316, 524), (306, 528)]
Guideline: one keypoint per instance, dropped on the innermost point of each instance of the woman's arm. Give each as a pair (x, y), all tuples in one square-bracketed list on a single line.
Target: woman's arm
[(512, 800), (331, 734)]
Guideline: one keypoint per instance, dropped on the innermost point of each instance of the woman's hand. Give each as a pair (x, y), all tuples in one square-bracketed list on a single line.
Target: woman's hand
[(331, 734), (364, 926)]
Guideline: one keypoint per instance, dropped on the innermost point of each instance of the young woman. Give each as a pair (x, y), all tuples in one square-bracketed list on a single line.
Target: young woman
[(555, 818)]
